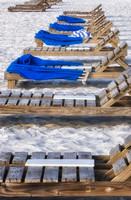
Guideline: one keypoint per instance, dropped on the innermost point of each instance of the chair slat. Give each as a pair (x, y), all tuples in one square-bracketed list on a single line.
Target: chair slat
[(69, 173), (34, 174), (86, 174), (51, 174), (15, 174), (19, 158)]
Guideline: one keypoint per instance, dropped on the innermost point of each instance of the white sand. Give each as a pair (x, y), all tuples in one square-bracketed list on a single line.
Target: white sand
[(35, 133)]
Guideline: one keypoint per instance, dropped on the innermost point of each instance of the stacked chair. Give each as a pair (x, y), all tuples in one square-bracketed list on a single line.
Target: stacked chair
[(33, 5), (69, 174)]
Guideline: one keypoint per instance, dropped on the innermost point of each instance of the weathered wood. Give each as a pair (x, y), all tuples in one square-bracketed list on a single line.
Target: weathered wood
[(119, 165), (66, 189), (127, 141), (19, 157), (2, 172), (86, 174), (67, 111), (115, 151), (51, 174), (5, 157), (69, 173), (34, 174), (15, 174), (128, 154)]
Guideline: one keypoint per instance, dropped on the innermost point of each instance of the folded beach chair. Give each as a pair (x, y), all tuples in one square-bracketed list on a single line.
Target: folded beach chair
[(70, 174), (112, 101), (40, 5), (101, 70)]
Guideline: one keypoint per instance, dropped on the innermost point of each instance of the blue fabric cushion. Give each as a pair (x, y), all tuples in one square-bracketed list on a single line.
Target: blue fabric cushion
[(70, 19), (57, 39), (63, 27), (30, 67)]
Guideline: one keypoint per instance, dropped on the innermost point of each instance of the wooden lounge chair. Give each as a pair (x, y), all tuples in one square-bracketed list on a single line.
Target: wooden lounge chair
[(85, 16), (40, 5), (97, 36), (90, 13), (98, 70), (90, 24), (73, 50), (22, 174), (110, 102)]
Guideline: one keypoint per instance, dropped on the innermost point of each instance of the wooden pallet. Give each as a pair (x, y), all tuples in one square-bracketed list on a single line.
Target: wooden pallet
[(62, 176), (98, 70), (40, 5), (110, 102)]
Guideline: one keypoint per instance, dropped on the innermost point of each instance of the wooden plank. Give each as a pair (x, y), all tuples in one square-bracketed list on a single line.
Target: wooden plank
[(67, 111), (80, 103), (19, 158), (123, 86), (16, 93), (46, 102), (3, 101), (115, 151), (23, 102), (128, 154), (15, 174), (13, 101), (34, 102), (120, 79), (127, 141), (69, 174), (86, 174), (51, 174), (2, 173), (60, 162), (67, 189), (5, 157), (68, 102), (119, 166), (57, 102), (37, 94), (5, 93), (48, 95), (34, 174)]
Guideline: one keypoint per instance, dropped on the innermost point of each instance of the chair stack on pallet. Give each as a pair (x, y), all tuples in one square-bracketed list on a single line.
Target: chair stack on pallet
[(66, 174), (33, 5)]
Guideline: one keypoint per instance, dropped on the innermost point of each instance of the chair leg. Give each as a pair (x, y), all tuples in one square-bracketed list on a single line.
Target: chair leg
[(11, 84)]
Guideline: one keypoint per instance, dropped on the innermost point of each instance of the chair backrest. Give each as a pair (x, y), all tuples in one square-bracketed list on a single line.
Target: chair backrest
[(116, 89), (112, 56)]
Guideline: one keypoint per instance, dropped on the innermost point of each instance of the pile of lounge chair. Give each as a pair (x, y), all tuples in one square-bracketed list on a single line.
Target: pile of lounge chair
[(76, 173)]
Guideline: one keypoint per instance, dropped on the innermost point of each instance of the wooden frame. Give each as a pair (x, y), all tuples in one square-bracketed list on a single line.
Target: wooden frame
[(17, 180)]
